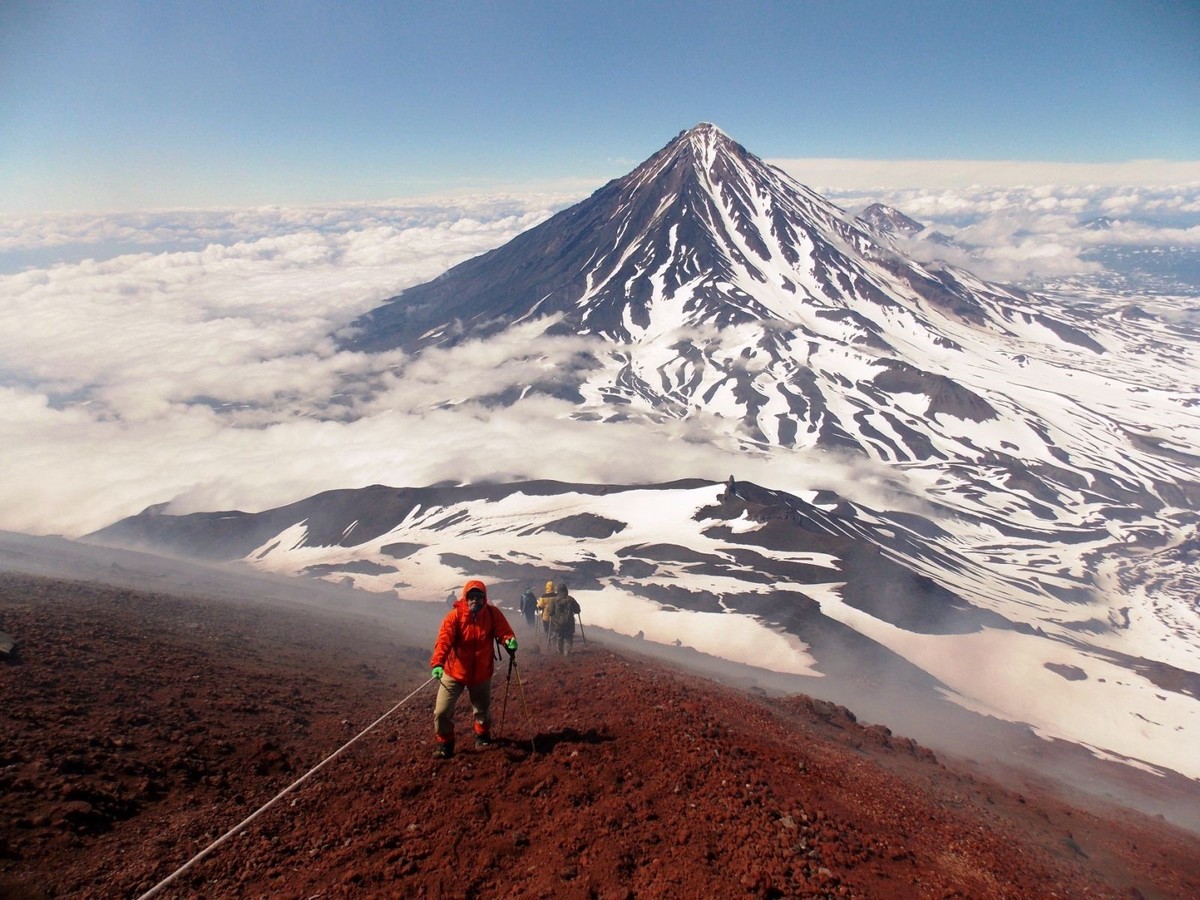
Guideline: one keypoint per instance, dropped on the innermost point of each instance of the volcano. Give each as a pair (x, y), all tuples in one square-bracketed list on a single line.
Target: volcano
[(703, 233), (707, 285)]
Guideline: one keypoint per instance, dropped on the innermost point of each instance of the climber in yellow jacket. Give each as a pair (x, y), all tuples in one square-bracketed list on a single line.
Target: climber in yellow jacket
[(543, 605)]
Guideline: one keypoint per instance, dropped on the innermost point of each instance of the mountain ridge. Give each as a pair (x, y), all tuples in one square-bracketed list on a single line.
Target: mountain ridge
[(738, 571)]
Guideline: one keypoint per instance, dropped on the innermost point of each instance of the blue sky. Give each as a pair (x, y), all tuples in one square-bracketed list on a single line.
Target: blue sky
[(125, 105)]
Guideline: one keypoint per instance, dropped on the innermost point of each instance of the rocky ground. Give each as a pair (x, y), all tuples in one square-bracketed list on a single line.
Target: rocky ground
[(137, 728)]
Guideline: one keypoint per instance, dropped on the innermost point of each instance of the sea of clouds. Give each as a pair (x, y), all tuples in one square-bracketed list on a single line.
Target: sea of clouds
[(187, 357), (1037, 234)]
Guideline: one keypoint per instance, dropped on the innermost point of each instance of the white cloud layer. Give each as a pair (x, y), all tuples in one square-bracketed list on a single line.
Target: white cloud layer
[(1019, 234), (205, 376), (75, 236)]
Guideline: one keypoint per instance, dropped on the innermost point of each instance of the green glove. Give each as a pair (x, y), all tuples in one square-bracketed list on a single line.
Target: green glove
[(436, 674), (511, 644)]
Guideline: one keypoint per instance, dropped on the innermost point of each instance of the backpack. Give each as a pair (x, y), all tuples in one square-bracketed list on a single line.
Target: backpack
[(562, 612)]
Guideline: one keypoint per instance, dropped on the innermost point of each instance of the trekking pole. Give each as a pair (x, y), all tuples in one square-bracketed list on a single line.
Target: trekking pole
[(524, 705), (504, 707), (582, 633)]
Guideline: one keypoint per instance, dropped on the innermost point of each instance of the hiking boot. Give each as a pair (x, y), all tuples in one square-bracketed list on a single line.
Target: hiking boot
[(443, 751), (483, 740)]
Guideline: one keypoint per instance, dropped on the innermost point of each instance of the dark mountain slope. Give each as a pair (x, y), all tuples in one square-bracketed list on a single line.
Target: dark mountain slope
[(140, 727)]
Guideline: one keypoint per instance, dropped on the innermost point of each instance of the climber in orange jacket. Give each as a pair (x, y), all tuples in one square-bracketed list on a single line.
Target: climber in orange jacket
[(463, 658)]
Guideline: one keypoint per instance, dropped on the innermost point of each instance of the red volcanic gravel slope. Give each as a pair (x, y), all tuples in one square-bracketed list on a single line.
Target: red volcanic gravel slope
[(137, 728)]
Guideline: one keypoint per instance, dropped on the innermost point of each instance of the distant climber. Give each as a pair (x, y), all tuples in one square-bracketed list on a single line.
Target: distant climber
[(730, 489), (528, 606), (463, 658), (543, 607), (451, 599), (563, 610)]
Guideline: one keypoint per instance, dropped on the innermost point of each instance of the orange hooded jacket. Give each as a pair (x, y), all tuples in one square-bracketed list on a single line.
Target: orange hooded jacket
[(465, 643)]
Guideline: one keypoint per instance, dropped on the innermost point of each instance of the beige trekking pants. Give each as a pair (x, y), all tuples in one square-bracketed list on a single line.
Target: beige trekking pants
[(448, 693)]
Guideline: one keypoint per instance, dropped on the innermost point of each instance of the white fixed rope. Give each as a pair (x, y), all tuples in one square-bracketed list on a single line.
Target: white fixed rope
[(154, 891)]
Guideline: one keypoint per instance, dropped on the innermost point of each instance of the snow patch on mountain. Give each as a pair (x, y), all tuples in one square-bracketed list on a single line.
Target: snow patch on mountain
[(500, 531), (1053, 687)]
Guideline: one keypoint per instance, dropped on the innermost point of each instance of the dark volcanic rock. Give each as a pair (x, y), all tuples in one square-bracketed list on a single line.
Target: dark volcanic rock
[(945, 396), (1071, 673), (585, 525), (360, 566)]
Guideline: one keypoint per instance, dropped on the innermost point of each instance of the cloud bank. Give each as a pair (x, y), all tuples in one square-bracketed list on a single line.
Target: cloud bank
[(199, 371), (1041, 233)]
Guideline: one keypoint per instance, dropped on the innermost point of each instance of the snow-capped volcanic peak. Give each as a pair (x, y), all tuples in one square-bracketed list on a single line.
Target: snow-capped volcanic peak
[(705, 233), (702, 233)]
